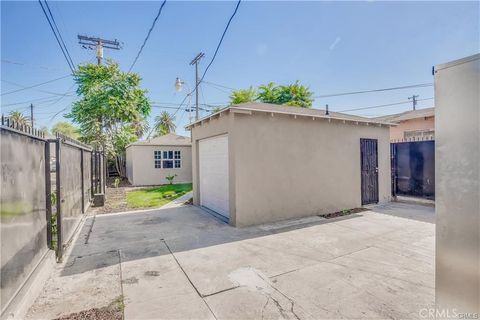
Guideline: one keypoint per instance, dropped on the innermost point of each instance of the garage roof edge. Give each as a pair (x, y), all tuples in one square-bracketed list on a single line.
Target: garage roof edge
[(267, 108)]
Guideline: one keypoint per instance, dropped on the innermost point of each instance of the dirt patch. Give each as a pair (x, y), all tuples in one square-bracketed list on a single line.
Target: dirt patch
[(112, 312), (342, 213), (116, 198)]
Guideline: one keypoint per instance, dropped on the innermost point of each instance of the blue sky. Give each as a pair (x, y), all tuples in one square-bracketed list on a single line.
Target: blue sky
[(329, 46)]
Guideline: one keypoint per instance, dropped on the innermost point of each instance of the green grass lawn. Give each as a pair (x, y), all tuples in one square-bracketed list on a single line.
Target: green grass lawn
[(157, 196)]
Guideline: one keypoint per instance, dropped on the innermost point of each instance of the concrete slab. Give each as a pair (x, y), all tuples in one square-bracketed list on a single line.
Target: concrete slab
[(329, 290), (156, 288), (69, 292), (417, 212), (368, 265)]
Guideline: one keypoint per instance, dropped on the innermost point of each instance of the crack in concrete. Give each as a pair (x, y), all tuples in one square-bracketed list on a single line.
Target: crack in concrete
[(188, 278), (264, 306), (217, 292), (280, 308)]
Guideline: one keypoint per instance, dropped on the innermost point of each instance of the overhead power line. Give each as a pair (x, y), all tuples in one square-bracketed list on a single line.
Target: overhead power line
[(213, 57), (218, 85), (382, 105), (420, 85), (375, 90), (148, 34), (71, 66), (33, 86), (38, 100), (221, 40), (60, 35)]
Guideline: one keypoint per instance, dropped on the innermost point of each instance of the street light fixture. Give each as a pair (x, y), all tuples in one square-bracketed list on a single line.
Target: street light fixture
[(178, 88), (179, 85)]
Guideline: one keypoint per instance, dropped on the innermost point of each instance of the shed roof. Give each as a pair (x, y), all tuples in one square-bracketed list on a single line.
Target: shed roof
[(295, 111), (170, 139), (408, 115)]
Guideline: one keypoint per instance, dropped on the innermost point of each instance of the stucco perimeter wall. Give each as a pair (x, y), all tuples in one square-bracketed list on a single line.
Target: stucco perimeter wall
[(457, 184), (289, 168), (143, 168)]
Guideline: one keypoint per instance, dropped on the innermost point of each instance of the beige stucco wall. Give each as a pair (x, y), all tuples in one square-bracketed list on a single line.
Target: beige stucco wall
[(282, 168), (457, 187), (143, 170), (397, 132)]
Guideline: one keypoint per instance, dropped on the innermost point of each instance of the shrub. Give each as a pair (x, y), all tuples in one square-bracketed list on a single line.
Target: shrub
[(170, 178)]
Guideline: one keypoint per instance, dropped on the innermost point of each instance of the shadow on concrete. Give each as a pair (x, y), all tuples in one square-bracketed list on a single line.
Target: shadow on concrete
[(107, 239), (418, 212)]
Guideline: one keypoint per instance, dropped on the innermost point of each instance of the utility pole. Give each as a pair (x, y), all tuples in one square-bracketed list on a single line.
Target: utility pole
[(98, 44), (197, 83), (31, 114), (414, 101)]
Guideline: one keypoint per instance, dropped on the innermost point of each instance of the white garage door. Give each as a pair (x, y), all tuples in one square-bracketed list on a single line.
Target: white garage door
[(213, 174)]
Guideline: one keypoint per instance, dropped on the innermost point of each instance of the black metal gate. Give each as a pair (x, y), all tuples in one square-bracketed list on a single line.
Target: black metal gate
[(413, 168), (369, 170)]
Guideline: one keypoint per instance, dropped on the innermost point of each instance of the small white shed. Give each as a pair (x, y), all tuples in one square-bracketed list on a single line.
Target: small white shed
[(149, 162)]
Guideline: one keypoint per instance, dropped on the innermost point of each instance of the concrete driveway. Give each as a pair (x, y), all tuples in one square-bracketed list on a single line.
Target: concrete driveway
[(181, 263)]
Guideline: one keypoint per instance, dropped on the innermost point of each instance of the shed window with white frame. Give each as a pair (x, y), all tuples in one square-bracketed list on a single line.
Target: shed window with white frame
[(167, 159), (157, 156)]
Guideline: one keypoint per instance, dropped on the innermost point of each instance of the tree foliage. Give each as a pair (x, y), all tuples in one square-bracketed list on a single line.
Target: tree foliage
[(215, 110), (66, 129), (164, 124), (19, 118), (243, 96), (112, 109), (292, 95)]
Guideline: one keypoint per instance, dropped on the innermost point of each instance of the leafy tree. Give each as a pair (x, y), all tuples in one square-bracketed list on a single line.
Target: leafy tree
[(216, 109), (292, 95), (66, 129), (19, 118), (269, 93), (164, 124), (296, 95), (243, 96), (111, 109)]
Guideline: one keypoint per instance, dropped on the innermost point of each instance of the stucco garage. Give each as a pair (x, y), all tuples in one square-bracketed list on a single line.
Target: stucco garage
[(257, 163), (149, 162)]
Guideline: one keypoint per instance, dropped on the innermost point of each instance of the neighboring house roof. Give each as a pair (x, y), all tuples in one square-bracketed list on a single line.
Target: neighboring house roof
[(408, 115), (170, 139), (295, 111)]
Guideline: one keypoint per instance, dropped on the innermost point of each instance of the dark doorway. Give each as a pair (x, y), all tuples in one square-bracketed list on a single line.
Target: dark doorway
[(369, 170), (413, 169)]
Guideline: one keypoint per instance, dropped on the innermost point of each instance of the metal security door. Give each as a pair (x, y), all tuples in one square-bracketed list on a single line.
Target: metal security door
[(369, 170)]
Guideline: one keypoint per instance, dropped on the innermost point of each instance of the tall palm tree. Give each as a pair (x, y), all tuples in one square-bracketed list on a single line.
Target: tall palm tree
[(141, 127), (18, 117), (164, 124)]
